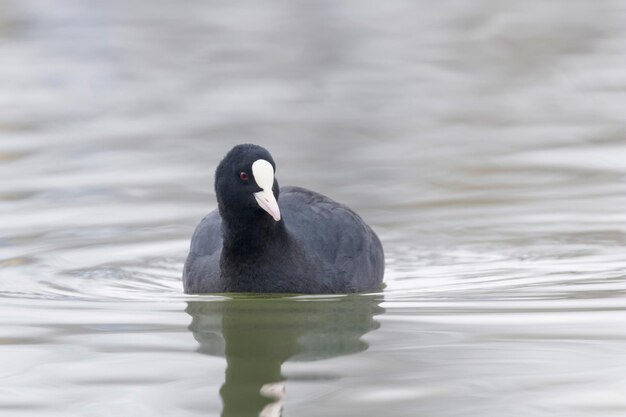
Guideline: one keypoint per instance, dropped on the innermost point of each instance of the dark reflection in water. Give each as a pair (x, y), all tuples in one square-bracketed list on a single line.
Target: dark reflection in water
[(258, 335)]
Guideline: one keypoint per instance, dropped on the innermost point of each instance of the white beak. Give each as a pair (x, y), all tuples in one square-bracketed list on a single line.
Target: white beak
[(263, 173), (268, 202)]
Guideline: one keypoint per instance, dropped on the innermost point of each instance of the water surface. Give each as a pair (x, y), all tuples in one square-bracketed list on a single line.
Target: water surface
[(482, 140)]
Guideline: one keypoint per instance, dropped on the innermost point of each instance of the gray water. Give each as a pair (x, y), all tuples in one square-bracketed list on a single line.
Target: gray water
[(484, 141)]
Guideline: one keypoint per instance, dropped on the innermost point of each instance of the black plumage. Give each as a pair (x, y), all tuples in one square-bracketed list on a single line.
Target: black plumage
[(317, 246)]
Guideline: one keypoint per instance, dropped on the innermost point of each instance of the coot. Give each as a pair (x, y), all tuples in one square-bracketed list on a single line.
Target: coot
[(263, 239)]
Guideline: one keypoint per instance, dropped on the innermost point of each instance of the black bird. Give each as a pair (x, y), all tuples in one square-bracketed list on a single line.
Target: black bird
[(263, 239)]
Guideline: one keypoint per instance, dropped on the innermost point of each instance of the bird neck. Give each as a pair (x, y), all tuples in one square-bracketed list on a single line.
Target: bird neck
[(249, 235)]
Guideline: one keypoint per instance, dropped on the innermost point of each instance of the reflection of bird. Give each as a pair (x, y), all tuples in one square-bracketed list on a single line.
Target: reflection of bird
[(295, 241), (257, 335)]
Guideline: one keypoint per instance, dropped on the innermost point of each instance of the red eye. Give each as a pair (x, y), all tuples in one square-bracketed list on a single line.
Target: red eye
[(243, 176)]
